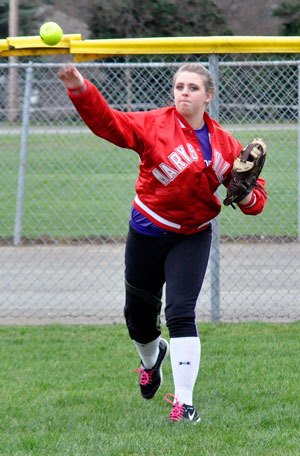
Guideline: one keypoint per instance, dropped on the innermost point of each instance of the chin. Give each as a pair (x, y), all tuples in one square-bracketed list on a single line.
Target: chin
[(184, 112)]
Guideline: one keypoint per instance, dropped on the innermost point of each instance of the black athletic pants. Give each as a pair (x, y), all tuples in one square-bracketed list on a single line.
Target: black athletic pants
[(177, 260)]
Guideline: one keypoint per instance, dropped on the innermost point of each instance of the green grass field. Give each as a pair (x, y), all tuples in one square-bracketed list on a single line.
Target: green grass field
[(71, 390), (78, 186)]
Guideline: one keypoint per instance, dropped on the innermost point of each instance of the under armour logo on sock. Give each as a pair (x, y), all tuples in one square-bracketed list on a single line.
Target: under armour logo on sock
[(184, 362)]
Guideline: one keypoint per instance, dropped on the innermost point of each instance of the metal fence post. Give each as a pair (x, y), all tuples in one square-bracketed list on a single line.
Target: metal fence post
[(215, 247), (298, 206), (23, 155)]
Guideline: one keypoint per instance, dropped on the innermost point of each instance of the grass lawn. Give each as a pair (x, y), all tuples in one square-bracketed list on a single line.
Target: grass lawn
[(71, 390), (78, 186)]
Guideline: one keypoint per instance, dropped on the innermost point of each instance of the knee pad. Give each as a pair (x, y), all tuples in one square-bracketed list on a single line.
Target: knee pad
[(142, 314)]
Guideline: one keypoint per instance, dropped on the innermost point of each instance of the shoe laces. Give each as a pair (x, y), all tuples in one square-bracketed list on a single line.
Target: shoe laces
[(177, 408), (145, 376)]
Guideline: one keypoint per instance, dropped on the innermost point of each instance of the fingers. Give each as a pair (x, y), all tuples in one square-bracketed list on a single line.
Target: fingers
[(66, 72), (71, 77)]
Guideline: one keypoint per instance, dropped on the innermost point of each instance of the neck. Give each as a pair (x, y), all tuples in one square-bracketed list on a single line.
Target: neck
[(196, 120), (197, 123)]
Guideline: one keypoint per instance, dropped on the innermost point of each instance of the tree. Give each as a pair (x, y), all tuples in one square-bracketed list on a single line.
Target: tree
[(26, 18), (289, 13), (133, 18), (200, 18)]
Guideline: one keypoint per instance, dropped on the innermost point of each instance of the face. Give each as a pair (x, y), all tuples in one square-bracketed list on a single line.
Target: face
[(190, 95)]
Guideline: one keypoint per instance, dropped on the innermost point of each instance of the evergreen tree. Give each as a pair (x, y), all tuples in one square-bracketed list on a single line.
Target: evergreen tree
[(289, 13), (26, 19), (133, 18)]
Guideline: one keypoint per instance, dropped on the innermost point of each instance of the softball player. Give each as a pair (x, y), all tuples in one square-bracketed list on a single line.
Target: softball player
[(184, 157)]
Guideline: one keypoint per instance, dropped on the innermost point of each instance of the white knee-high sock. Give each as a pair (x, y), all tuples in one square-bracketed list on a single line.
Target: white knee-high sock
[(185, 353), (148, 352)]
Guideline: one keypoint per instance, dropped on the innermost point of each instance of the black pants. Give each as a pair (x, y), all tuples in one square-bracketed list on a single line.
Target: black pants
[(177, 260)]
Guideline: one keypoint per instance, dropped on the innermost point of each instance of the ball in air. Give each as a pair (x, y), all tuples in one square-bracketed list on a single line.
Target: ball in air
[(51, 33)]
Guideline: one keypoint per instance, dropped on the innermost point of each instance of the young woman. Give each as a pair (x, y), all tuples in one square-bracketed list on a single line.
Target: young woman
[(185, 156)]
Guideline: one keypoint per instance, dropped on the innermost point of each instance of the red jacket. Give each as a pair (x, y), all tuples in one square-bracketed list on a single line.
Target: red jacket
[(174, 189)]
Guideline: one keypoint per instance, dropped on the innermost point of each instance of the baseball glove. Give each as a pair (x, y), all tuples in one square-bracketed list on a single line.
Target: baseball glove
[(245, 172)]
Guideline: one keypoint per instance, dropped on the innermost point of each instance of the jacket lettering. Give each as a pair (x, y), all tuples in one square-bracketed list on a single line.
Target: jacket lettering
[(220, 166), (180, 158)]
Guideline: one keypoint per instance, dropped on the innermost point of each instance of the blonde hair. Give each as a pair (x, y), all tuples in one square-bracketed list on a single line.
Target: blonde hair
[(202, 71)]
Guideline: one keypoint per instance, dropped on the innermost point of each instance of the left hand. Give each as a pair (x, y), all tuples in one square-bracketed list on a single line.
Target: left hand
[(246, 170), (239, 190)]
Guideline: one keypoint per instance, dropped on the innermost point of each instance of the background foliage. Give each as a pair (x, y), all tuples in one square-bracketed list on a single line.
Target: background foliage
[(132, 18), (156, 18), (26, 12), (289, 13)]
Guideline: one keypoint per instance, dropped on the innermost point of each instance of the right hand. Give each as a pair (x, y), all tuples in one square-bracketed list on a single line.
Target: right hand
[(71, 77)]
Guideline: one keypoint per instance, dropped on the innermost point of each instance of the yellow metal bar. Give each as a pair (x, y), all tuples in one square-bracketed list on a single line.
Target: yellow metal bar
[(33, 51), (3, 45), (24, 42), (85, 57), (99, 49), (188, 45)]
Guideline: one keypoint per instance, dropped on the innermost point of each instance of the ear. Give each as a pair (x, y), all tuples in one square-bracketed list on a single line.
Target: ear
[(208, 97)]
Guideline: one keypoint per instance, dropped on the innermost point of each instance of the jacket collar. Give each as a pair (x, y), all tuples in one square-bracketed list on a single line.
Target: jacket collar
[(184, 124)]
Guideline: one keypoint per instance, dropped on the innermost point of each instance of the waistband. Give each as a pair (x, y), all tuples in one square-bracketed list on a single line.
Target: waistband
[(167, 224)]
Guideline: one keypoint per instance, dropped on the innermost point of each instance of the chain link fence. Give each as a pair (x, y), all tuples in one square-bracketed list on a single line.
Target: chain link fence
[(65, 195)]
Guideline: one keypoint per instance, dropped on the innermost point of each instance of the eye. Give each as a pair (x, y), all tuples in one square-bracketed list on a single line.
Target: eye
[(179, 87), (194, 88)]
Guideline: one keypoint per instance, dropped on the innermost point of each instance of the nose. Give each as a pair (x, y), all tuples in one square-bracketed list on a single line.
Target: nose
[(185, 91)]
